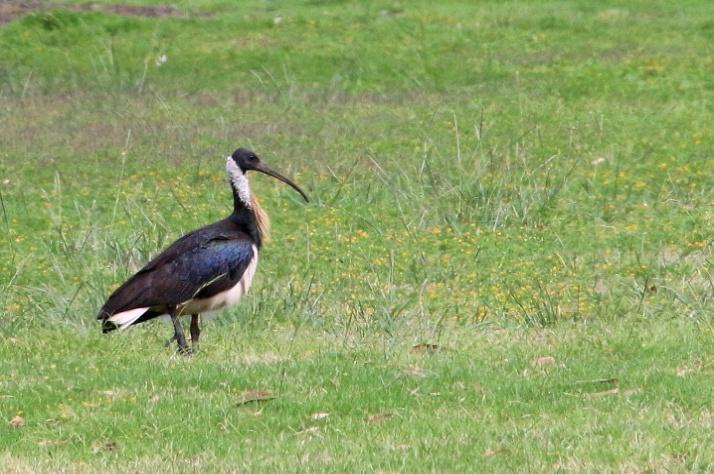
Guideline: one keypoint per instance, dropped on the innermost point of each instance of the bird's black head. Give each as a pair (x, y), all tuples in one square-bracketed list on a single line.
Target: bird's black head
[(247, 160)]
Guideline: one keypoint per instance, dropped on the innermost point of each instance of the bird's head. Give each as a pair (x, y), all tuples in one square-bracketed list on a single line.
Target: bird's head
[(247, 160)]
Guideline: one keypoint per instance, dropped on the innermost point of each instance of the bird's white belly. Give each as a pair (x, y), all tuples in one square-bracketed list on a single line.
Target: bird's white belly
[(225, 298)]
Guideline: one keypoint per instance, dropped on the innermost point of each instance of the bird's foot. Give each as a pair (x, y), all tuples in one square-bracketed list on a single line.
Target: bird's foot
[(170, 341), (186, 351), (183, 350)]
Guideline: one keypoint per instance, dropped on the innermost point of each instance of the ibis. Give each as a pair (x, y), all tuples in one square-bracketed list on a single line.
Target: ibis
[(203, 271)]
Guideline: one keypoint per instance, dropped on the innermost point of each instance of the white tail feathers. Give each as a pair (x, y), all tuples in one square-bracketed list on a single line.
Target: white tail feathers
[(126, 318)]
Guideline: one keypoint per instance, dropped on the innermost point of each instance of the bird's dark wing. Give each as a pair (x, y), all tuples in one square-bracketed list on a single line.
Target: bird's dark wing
[(201, 264), (214, 267)]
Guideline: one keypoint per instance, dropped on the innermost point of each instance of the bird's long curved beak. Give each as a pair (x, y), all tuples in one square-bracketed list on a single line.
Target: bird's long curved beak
[(270, 172)]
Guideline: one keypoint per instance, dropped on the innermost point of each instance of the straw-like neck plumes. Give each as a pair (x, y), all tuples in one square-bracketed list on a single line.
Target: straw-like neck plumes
[(245, 206), (239, 183), (262, 221)]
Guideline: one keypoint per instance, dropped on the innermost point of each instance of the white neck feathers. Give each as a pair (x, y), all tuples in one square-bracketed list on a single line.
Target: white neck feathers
[(239, 182)]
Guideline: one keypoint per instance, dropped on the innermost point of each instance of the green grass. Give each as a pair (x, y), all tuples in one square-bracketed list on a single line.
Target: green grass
[(507, 180), (479, 404)]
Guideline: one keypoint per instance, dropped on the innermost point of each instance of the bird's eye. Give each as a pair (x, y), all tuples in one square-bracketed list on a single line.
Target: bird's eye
[(253, 158)]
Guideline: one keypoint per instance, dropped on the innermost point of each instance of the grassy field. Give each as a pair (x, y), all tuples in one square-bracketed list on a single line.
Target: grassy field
[(506, 264)]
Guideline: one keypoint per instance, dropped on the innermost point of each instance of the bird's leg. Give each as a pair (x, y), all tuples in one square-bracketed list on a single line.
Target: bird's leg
[(180, 338), (195, 332)]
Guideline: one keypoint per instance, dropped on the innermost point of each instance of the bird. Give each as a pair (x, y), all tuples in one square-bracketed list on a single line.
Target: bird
[(204, 271)]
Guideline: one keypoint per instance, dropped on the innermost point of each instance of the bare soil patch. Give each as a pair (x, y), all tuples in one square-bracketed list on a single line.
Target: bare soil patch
[(10, 9)]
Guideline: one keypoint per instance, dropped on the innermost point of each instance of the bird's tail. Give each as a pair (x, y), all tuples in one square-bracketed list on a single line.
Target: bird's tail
[(122, 320)]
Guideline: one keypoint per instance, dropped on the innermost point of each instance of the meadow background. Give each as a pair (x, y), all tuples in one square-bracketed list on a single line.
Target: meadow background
[(506, 264)]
